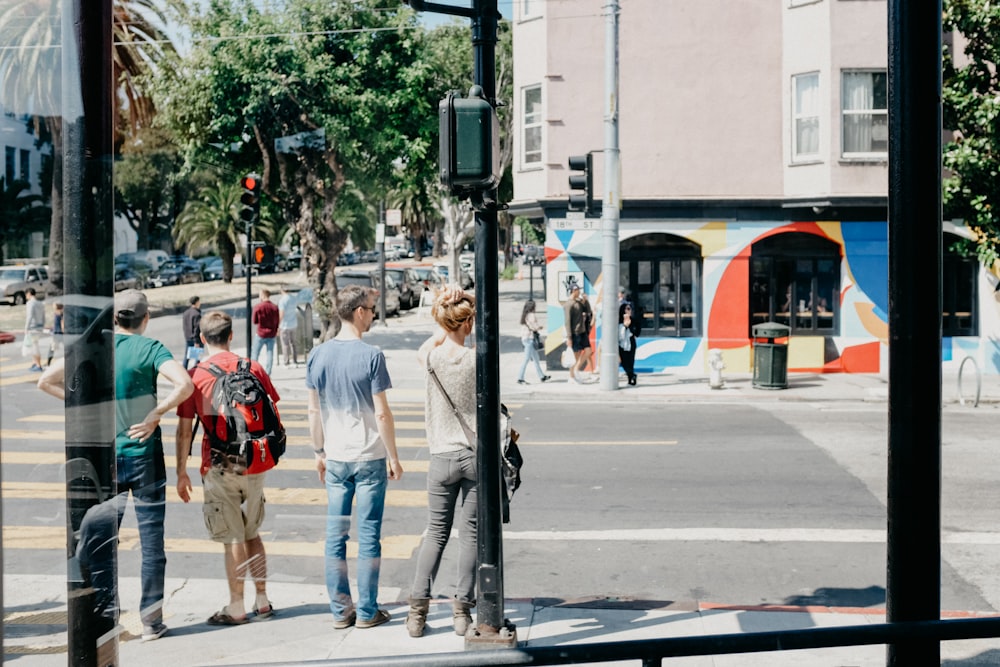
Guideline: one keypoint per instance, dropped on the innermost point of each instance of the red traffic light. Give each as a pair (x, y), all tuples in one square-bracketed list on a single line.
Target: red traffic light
[(249, 182)]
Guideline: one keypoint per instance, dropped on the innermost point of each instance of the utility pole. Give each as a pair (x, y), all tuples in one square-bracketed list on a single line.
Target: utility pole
[(611, 204), (492, 629), (913, 538), (87, 117)]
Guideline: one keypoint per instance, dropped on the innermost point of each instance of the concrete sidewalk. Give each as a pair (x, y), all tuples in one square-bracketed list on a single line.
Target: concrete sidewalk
[(301, 629)]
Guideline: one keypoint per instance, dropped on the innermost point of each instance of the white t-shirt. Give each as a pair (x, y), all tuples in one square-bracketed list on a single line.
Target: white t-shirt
[(289, 314)]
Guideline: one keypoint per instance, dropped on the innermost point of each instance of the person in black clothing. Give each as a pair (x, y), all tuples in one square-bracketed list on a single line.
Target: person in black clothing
[(628, 329), (192, 328)]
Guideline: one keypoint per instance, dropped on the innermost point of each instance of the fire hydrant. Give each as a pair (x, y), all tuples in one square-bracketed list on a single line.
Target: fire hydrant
[(715, 365)]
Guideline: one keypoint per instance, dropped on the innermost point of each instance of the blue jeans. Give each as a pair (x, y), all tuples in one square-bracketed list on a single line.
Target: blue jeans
[(451, 477), (258, 343), (146, 478), (368, 480), (530, 354)]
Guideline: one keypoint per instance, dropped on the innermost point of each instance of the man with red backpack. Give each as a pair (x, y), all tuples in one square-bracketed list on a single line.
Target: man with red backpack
[(234, 401)]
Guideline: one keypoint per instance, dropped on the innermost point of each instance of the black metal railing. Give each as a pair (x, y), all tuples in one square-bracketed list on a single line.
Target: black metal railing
[(652, 651)]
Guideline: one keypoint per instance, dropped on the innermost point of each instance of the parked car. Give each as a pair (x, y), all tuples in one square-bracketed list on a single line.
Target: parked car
[(368, 256), (212, 269), (465, 279), (534, 255), (409, 284), (429, 278), (126, 278), (15, 281), (177, 273), (370, 279), (154, 258)]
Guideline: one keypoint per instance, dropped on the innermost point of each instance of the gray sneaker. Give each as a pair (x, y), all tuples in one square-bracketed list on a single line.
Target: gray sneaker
[(381, 616), (153, 632)]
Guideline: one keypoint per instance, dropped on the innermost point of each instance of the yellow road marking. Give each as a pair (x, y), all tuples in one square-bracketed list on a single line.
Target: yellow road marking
[(43, 419), (58, 458), (19, 379), (398, 547), (315, 497)]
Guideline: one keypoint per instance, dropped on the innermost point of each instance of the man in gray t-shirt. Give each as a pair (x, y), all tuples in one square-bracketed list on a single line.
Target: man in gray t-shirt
[(354, 438)]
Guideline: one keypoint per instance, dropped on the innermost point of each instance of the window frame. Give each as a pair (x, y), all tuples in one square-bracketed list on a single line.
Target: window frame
[(954, 286), (798, 115), (787, 268), (531, 122), (643, 271), (872, 111)]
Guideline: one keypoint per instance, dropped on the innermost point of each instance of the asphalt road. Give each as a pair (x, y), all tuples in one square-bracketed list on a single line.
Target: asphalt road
[(776, 504)]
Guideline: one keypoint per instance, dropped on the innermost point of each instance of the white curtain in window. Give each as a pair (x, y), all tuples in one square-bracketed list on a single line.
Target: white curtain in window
[(858, 96), (806, 114)]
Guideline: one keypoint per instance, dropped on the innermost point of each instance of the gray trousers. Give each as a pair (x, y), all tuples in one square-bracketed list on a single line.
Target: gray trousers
[(451, 487)]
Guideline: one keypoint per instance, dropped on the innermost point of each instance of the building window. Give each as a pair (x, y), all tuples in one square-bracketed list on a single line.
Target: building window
[(531, 8), (805, 116), (795, 281), (959, 274), (25, 165), (864, 100), (661, 275), (10, 168), (532, 144)]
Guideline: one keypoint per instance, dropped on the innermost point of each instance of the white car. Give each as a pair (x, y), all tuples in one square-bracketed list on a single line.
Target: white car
[(15, 281)]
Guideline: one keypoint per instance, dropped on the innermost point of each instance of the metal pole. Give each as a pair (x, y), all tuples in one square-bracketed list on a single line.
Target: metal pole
[(87, 121), (381, 266), (491, 628), (913, 583), (611, 204), (248, 264)]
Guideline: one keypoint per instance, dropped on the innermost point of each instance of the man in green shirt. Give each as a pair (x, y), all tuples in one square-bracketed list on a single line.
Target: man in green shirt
[(141, 469), (138, 441)]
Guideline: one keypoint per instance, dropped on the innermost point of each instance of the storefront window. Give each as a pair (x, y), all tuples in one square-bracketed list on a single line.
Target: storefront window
[(795, 281), (662, 276)]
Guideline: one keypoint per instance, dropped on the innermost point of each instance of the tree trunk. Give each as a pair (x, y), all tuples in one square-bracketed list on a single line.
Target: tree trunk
[(56, 224)]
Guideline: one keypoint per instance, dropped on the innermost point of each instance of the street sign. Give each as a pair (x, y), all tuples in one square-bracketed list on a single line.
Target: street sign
[(393, 217), (576, 215)]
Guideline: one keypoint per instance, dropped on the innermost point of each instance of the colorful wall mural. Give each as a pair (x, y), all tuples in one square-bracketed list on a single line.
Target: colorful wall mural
[(859, 345)]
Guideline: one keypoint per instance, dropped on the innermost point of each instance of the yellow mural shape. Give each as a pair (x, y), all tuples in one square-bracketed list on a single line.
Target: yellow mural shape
[(871, 322)]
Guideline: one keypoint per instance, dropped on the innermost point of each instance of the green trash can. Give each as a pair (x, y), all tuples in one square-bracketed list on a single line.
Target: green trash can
[(770, 355), (304, 331)]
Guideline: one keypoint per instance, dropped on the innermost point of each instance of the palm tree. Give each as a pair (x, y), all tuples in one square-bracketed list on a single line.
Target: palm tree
[(414, 206), (213, 221), (31, 69)]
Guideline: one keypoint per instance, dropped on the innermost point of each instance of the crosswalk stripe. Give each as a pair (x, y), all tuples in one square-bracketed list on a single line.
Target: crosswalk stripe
[(397, 547), (18, 379), (401, 442), (57, 458), (275, 496)]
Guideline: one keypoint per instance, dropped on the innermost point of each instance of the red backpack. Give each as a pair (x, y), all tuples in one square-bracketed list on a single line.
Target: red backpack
[(247, 436)]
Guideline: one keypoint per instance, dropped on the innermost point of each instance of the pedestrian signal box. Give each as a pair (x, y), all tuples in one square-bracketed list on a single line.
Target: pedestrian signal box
[(261, 254), (469, 143)]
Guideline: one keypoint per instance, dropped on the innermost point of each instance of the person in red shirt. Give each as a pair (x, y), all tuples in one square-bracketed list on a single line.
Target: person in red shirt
[(267, 317), (234, 503)]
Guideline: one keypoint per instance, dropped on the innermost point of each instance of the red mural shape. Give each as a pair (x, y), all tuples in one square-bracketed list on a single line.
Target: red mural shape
[(729, 317)]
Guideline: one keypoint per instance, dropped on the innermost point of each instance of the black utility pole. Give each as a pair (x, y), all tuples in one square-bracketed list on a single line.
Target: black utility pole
[(913, 583), (88, 243), (492, 629)]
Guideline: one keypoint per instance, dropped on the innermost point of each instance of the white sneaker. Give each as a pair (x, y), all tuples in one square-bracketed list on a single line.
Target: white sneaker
[(153, 632)]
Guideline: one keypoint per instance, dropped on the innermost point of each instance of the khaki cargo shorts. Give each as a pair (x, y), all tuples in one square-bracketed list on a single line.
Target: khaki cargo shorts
[(234, 505)]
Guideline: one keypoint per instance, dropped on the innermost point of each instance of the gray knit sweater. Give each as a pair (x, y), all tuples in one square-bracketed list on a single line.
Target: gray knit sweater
[(458, 375)]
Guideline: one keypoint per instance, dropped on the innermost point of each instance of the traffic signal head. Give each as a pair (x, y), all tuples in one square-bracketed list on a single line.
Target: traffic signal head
[(581, 201), (469, 143), (250, 199)]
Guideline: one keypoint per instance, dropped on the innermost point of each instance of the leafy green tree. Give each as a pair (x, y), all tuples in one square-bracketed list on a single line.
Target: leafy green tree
[(971, 99), (212, 222), (31, 69), (144, 179), (314, 94)]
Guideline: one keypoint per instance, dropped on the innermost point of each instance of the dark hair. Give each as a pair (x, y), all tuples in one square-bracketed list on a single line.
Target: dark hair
[(216, 327), (352, 297), (193, 300), (529, 307), (30, 290)]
